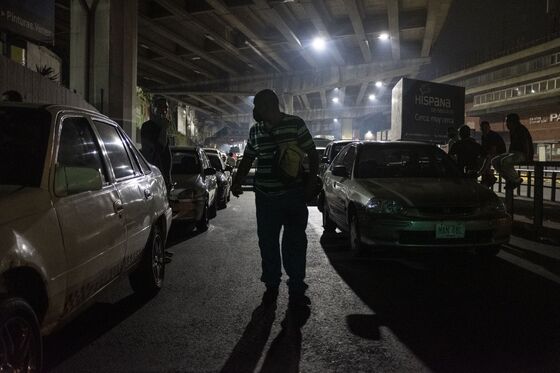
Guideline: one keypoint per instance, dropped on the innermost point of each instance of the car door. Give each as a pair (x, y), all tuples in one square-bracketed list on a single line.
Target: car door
[(133, 188), (345, 184), (332, 189), (93, 230), (210, 181)]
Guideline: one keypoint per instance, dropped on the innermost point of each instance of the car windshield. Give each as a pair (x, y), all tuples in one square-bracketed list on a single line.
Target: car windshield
[(185, 163), (397, 161), (215, 162), (24, 135)]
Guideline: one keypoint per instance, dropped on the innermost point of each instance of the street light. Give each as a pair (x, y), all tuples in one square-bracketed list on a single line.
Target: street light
[(379, 84), (335, 100), (319, 44), (383, 36), (371, 97)]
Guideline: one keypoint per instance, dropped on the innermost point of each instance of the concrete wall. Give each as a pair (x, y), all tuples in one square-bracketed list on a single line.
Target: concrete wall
[(34, 87)]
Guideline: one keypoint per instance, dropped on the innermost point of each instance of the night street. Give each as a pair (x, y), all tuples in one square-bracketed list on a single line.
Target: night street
[(388, 313)]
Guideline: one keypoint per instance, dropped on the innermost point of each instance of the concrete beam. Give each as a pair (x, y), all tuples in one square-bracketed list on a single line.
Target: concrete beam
[(195, 107), (320, 25), (145, 22), (342, 95), (210, 104), (171, 56), (180, 12), (230, 104), (323, 94), (305, 102), (304, 82), (362, 93), (356, 19), (393, 15), (164, 69), (271, 15), (437, 12), (223, 10)]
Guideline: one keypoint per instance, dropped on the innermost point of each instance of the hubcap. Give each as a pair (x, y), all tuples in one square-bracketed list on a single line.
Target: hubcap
[(18, 347), (157, 258)]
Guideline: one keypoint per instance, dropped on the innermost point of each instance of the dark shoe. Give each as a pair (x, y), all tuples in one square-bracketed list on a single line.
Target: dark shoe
[(299, 300), (270, 296)]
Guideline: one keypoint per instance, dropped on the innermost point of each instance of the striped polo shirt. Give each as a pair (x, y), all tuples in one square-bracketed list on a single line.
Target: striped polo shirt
[(261, 145)]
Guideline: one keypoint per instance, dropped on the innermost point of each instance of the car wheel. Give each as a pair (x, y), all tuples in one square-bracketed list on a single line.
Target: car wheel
[(20, 337), (356, 244), (487, 252), (147, 279), (203, 223), (213, 210), (328, 224), (229, 195)]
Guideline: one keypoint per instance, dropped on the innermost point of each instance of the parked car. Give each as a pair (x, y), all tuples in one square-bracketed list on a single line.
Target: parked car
[(331, 150), (410, 194), (79, 208), (223, 175), (194, 198)]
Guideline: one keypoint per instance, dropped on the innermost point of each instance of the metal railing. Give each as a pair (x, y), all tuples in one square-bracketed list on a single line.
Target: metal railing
[(539, 179)]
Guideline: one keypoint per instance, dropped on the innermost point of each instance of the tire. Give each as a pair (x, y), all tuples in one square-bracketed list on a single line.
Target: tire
[(487, 252), (147, 279), (213, 210), (21, 348), (204, 222), (328, 224), (356, 244)]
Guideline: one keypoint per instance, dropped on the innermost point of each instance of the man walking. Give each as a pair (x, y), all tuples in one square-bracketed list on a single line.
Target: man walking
[(520, 150), (492, 144), (279, 205), (155, 139)]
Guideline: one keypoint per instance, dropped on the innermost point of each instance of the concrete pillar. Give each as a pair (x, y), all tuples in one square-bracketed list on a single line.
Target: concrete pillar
[(346, 128), (103, 56)]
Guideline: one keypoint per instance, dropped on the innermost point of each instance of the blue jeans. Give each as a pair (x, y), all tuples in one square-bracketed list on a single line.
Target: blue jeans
[(287, 210)]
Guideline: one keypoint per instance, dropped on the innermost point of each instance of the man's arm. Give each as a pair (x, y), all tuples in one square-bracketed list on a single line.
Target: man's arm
[(242, 170)]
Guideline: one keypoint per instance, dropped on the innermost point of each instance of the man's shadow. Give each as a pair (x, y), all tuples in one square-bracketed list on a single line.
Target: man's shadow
[(285, 351)]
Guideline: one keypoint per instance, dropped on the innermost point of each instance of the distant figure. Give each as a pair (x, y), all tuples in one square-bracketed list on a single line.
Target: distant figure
[(492, 144), (230, 160), (155, 139), (452, 137), (12, 96), (520, 150), (467, 152)]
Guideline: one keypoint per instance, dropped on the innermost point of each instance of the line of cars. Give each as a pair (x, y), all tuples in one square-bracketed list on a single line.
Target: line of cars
[(202, 184), (407, 194)]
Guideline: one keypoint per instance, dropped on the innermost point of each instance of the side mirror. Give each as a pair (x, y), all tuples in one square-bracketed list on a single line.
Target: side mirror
[(340, 171), (73, 180), (325, 160), (209, 171)]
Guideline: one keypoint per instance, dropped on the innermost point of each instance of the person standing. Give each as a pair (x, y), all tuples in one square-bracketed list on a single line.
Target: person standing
[(154, 137), (452, 137), (467, 152), (279, 205), (492, 144), (230, 161), (520, 150)]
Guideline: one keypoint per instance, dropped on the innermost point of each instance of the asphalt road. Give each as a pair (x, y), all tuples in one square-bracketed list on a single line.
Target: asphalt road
[(386, 313)]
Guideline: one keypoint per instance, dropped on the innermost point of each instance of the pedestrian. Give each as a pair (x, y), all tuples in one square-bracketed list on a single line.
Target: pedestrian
[(467, 152), (279, 203), (230, 160), (520, 151), (492, 144), (11, 96), (452, 137), (154, 136)]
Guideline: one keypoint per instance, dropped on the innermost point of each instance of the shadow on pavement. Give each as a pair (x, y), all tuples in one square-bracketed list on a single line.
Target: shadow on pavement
[(180, 232), (248, 350), (284, 353), (453, 312), (86, 328)]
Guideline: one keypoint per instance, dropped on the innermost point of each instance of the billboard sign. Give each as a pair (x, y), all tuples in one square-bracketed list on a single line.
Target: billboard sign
[(423, 111), (30, 19)]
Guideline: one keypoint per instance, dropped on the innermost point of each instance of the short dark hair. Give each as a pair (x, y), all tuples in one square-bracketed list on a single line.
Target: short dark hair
[(484, 123), (512, 117), (13, 96), (464, 132), (267, 95)]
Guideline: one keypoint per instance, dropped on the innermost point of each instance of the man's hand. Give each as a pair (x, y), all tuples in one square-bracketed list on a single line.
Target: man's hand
[(236, 189)]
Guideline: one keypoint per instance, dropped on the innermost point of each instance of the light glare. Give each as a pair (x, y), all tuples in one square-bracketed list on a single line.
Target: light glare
[(379, 84), (335, 100), (384, 36), (371, 97), (319, 44)]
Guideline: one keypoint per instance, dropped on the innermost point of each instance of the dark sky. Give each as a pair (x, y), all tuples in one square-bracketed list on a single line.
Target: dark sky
[(480, 30)]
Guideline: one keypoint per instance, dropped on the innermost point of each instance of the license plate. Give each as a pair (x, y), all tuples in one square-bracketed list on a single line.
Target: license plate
[(450, 230)]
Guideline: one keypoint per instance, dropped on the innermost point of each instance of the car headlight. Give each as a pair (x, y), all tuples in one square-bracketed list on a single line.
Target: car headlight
[(381, 206), (186, 194)]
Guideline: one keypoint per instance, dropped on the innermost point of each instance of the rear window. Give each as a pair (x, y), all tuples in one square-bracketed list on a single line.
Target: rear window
[(24, 135), (405, 161), (215, 161), (185, 163)]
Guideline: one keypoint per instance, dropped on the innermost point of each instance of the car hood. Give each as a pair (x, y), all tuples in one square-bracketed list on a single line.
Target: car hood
[(429, 191), (17, 202)]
